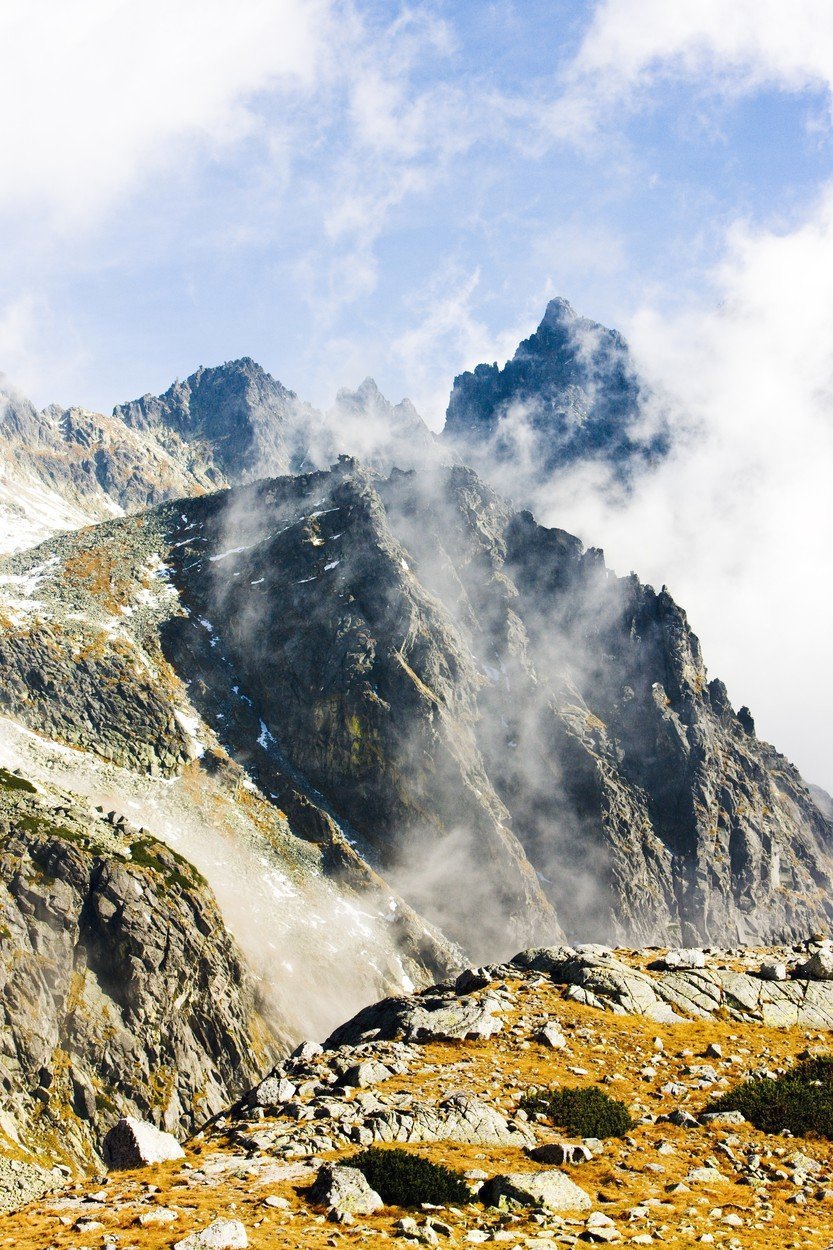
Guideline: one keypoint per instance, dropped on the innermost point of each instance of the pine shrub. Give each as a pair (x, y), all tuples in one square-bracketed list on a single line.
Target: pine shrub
[(581, 1111), (801, 1100), (402, 1179)]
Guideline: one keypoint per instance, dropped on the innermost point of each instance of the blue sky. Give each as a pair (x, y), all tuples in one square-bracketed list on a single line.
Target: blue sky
[(317, 224), (341, 189)]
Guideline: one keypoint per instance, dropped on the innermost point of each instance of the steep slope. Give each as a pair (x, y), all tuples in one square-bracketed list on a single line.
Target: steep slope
[(427, 682), (122, 991), (647, 804), (570, 393), (89, 697)]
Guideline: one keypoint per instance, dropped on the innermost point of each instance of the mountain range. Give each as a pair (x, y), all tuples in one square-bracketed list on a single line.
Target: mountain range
[(297, 710)]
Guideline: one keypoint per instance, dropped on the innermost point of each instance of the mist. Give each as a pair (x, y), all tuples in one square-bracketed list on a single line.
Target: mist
[(318, 954)]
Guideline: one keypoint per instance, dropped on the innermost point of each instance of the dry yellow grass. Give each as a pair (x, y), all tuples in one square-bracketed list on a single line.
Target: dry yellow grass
[(624, 1176)]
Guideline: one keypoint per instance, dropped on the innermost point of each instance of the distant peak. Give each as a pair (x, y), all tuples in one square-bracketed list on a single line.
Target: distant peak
[(368, 389), (558, 311)]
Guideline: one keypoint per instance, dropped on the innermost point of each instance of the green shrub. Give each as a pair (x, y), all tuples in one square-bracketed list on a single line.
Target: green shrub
[(582, 1112), (801, 1100), (405, 1180), (11, 781)]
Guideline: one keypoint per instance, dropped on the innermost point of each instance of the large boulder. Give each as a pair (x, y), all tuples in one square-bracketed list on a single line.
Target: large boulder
[(342, 1188), (133, 1143), (819, 967), (221, 1235), (549, 1188)]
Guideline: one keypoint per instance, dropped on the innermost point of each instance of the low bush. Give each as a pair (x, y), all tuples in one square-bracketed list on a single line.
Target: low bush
[(581, 1112), (402, 1179), (801, 1100)]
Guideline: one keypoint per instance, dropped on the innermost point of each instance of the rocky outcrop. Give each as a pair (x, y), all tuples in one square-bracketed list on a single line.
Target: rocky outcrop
[(121, 992), (717, 987), (437, 691), (569, 393)]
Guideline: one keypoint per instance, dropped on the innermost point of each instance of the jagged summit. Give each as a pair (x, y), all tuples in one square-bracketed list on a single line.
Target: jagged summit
[(224, 424), (249, 423), (569, 393)]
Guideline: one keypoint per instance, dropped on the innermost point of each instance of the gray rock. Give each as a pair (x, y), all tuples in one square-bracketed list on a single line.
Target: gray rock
[(769, 971), (819, 967), (344, 1189), (422, 1018), (682, 1118), (723, 1117), (550, 1035), (362, 1075), (221, 1235), (681, 957), (551, 1189), (133, 1143), (274, 1092)]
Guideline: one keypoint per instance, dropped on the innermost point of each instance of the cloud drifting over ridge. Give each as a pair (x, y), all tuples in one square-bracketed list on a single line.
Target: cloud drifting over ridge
[(739, 521)]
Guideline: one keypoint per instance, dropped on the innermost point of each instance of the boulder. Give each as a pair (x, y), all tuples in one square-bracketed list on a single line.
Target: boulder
[(819, 967), (341, 1188), (133, 1143), (550, 1188), (361, 1075), (221, 1235), (273, 1091), (551, 1035), (680, 957)]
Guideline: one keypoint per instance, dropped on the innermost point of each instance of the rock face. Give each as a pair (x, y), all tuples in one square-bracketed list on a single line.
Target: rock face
[(430, 683), (569, 393), (121, 993)]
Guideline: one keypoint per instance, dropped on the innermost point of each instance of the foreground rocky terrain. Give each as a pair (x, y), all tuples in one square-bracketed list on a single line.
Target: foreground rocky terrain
[(442, 1074)]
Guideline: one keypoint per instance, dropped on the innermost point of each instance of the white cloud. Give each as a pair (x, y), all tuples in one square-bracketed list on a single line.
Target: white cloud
[(739, 522), (95, 93), (631, 45)]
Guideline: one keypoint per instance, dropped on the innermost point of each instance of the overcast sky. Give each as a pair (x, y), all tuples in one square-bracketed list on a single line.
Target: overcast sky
[(372, 188)]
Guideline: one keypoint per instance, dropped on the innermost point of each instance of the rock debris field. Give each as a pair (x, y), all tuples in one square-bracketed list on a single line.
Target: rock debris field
[(442, 1075)]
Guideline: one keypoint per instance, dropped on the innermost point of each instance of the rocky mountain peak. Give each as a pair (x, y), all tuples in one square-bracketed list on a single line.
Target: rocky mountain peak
[(569, 393)]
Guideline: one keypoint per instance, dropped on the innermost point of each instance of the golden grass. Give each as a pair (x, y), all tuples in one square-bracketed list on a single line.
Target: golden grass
[(499, 1070)]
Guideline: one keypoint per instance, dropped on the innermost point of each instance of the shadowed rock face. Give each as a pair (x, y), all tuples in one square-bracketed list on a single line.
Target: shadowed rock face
[(569, 393), (121, 991), (236, 416), (430, 683)]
